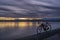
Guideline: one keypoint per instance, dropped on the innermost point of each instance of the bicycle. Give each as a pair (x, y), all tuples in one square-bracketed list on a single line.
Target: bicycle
[(46, 27)]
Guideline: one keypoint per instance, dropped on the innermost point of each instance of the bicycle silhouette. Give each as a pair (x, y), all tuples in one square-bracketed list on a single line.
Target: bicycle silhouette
[(45, 27)]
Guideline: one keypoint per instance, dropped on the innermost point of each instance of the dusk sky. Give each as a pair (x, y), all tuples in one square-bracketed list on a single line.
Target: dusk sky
[(30, 8)]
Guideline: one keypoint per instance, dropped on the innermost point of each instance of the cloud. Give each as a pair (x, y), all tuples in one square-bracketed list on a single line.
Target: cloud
[(30, 8)]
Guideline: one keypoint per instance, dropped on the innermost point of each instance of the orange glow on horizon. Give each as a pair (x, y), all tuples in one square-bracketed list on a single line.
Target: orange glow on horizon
[(6, 18), (19, 24)]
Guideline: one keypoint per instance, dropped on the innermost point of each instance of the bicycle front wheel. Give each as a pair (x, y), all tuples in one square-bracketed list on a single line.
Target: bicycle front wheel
[(48, 28)]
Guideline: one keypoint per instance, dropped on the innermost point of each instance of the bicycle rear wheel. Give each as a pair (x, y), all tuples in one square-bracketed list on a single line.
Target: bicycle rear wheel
[(39, 29)]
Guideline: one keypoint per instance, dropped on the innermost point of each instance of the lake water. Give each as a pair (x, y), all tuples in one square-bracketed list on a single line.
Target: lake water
[(21, 29)]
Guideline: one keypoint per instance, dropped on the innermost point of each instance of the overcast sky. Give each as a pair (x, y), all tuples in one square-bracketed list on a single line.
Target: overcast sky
[(29, 8)]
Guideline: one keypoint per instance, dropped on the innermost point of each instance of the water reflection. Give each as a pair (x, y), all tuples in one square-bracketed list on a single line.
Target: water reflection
[(17, 24), (7, 24)]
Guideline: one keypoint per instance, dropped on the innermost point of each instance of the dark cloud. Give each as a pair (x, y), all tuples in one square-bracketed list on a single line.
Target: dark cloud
[(30, 8)]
